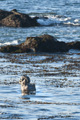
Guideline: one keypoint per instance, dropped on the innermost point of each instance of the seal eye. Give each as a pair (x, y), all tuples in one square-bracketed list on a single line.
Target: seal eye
[(23, 79)]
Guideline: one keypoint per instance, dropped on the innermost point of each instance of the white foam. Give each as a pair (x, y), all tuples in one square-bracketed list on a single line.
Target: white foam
[(71, 23), (76, 20), (48, 21), (15, 42), (65, 19), (52, 20)]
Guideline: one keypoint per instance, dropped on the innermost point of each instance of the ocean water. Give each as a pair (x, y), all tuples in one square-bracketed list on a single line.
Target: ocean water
[(56, 76)]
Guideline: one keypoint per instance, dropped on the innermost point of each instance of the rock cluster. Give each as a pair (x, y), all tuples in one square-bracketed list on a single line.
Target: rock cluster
[(74, 45), (16, 19), (44, 43)]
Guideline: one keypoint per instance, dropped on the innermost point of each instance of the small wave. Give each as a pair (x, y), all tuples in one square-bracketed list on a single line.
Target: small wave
[(49, 21), (59, 20), (15, 42), (72, 24)]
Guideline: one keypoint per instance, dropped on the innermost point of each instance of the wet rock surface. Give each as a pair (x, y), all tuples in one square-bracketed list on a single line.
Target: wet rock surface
[(4, 14), (44, 43), (14, 49), (74, 45), (16, 19)]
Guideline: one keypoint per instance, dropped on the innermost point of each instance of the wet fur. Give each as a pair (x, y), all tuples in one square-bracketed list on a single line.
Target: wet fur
[(26, 86)]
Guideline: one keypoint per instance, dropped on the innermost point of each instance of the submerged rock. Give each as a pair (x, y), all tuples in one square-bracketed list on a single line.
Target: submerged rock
[(16, 19), (44, 43)]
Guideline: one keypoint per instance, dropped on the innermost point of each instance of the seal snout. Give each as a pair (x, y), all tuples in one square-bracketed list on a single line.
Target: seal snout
[(25, 78)]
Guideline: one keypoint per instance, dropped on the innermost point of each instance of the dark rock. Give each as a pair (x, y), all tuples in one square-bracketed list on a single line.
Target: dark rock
[(12, 21), (4, 14), (8, 48), (14, 10), (45, 43), (16, 19), (36, 18), (74, 45), (14, 49)]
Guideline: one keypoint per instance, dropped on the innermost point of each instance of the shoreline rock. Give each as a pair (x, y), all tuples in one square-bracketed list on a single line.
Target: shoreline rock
[(74, 45), (16, 19), (4, 14), (44, 43)]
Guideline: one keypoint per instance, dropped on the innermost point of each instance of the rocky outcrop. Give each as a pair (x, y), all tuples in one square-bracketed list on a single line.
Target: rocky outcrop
[(14, 49), (4, 14), (74, 45), (16, 19), (44, 43)]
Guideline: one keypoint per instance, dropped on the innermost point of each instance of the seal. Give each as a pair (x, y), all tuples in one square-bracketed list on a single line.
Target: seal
[(26, 86)]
